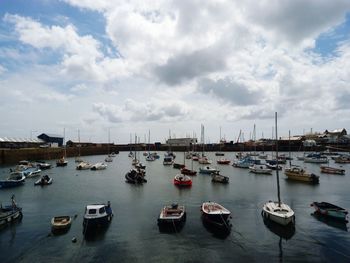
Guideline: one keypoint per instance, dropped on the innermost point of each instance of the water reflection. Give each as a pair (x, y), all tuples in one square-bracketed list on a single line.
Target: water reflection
[(95, 234), (342, 225), (220, 231), (285, 232)]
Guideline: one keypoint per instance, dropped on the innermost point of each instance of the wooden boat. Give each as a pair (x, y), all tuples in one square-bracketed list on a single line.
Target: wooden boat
[(298, 174), (330, 210), (188, 172), (172, 217), (260, 169), (135, 176), (182, 180), (207, 170), (44, 180), (332, 170), (223, 161), (61, 162), (61, 223), (277, 211), (10, 213), (218, 178), (216, 216), (97, 216), (15, 179)]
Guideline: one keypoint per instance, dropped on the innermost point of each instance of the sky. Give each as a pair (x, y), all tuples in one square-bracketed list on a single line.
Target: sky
[(130, 67)]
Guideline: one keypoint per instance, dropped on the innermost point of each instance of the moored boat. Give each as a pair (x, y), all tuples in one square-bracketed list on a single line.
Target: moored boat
[(332, 170), (135, 176), (168, 160), (330, 210), (207, 170), (31, 172), (219, 178), (223, 161), (15, 179), (172, 218), (298, 174), (279, 213), (182, 180), (260, 169), (98, 166), (60, 223), (188, 172), (44, 180), (42, 165), (178, 165), (84, 166), (97, 216), (216, 216), (61, 162), (10, 213)]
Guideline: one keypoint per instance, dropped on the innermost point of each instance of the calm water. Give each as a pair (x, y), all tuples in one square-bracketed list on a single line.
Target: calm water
[(133, 235)]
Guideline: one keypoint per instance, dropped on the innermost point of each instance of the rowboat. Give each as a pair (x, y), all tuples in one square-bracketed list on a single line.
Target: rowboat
[(332, 170), (10, 213), (172, 218), (330, 210), (60, 223), (216, 216)]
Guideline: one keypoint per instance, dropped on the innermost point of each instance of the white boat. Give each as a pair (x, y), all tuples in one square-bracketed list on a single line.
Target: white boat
[(216, 216), (277, 211), (84, 166), (60, 223), (207, 170), (98, 166), (260, 169), (109, 159), (172, 217), (204, 160), (31, 172)]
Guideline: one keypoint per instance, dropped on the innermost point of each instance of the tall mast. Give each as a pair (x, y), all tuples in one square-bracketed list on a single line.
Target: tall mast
[(277, 175)]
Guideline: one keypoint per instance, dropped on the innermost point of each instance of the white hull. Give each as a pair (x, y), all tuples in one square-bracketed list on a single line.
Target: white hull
[(283, 217)]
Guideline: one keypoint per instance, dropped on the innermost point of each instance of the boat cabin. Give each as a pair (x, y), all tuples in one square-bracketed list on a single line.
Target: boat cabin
[(95, 211)]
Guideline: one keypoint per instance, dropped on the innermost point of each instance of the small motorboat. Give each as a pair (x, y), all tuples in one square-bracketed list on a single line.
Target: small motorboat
[(43, 165), (219, 154), (150, 158), (61, 162), (172, 218), (204, 160), (44, 180), (207, 170), (15, 179), (182, 180), (223, 161), (216, 216), (168, 160), (135, 176), (84, 166), (97, 216), (299, 174), (330, 210), (60, 224), (31, 172), (140, 166), (10, 213), (98, 166), (188, 172), (332, 170), (260, 169), (218, 178), (273, 166), (109, 159)]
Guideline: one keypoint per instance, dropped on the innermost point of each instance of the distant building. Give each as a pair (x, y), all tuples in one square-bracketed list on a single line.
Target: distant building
[(51, 139), (334, 136), (181, 141)]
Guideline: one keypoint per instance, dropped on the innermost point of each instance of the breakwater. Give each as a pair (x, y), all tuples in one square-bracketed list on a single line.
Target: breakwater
[(12, 156)]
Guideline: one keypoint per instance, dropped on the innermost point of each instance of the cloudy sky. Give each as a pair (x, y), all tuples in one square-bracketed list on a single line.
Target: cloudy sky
[(131, 66)]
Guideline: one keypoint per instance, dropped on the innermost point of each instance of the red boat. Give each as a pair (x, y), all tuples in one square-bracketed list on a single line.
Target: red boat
[(182, 180), (223, 161), (188, 171)]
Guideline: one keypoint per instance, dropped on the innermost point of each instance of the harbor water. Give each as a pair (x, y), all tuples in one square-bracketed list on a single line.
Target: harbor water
[(133, 234)]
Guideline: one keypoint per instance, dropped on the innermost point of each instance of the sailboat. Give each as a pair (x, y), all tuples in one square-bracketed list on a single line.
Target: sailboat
[(78, 159), (219, 153), (131, 154), (186, 171), (149, 157), (203, 159), (277, 211), (109, 157), (62, 161)]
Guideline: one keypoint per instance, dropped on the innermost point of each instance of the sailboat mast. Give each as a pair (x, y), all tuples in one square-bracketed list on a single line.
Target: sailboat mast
[(277, 175)]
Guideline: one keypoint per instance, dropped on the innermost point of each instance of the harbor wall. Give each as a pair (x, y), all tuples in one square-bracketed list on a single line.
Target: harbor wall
[(13, 156)]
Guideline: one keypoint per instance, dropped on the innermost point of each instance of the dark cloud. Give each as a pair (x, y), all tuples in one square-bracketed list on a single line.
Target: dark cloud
[(188, 66), (229, 90), (297, 20)]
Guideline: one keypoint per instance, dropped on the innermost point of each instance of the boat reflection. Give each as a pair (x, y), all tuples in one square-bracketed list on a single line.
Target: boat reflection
[(342, 225), (284, 232), (218, 232), (95, 234)]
